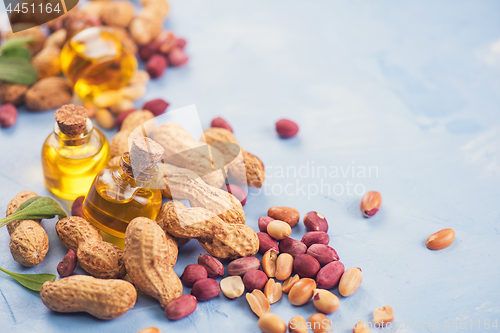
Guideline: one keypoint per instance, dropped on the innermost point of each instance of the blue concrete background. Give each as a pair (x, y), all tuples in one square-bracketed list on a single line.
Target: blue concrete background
[(407, 89)]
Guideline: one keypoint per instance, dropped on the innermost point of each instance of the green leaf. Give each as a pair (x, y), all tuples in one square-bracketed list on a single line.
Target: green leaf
[(35, 208), (14, 42), (30, 281), (17, 52), (17, 71)]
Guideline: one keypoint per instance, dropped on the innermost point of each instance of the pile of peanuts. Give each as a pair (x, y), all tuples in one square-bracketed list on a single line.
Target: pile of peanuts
[(141, 34), (316, 266)]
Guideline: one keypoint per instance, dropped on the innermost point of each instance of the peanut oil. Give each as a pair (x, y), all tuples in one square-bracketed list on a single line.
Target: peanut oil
[(95, 61), (71, 161), (116, 198)]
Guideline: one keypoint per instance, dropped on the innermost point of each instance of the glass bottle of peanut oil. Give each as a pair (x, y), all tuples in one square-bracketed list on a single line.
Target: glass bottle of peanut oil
[(121, 193), (73, 154), (95, 61)]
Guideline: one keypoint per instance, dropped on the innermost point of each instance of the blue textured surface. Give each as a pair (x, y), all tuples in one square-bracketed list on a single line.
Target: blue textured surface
[(409, 88)]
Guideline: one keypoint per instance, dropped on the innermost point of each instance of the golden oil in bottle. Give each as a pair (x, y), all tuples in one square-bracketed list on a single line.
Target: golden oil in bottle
[(73, 154), (95, 61), (120, 194)]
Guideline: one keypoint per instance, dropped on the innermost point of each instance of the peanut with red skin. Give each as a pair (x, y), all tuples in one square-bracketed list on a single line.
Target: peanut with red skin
[(193, 273), (242, 265), (8, 115), (156, 65), (330, 275), (315, 237), (181, 307), (205, 289), (292, 246), (213, 266), (313, 221), (254, 280), (324, 254), (306, 266), (67, 264), (266, 242), (157, 106), (177, 57), (286, 128), (263, 222), (77, 207), (222, 123), (238, 192)]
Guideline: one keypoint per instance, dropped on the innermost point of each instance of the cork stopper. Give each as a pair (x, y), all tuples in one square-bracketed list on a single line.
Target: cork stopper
[(143, 156), (144, 153), (71, 119)]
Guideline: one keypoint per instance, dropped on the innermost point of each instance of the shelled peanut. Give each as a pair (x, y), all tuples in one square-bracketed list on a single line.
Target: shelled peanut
[(99, 258), (29, 242)]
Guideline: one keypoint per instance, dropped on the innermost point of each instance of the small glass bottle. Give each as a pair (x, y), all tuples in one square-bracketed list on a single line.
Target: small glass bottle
[(74, 153), (95, 61), (120, 194)]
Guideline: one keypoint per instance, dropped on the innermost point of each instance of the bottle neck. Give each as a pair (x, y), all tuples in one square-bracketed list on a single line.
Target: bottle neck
[(128, 173), (75, 140)]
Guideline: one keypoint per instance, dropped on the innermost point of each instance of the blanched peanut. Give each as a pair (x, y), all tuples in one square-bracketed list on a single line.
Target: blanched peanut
[(325, 301), (350, 281), (273, 291), (269, 262), (258, 302), (279, 230), (319, 323), (360, 328), (440, 240), (370, 203), (284, 266), (302, 291), (105, 119), (288, 284), (382, 316), (271, 323), (232, 286), (297, 325), (122, 105)]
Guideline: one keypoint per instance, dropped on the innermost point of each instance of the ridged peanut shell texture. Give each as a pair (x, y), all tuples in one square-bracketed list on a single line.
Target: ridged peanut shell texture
[(220, 239), (104, 299), (251, 171), (182, 150), (119, 143), (14, 204), (99, 258), (29, 242), (150, 256), (182, 183)]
